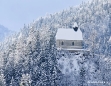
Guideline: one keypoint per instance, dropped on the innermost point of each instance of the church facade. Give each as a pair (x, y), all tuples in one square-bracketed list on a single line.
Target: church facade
[(69, 39), (69, 44)]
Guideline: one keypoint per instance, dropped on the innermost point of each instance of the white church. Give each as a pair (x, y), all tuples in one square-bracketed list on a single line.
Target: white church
[(69, 39)]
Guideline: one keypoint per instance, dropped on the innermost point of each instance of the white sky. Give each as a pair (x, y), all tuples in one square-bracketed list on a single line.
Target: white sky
[(15, 13)]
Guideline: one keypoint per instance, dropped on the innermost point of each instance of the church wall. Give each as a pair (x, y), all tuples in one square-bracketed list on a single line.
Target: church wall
[(74, 44)]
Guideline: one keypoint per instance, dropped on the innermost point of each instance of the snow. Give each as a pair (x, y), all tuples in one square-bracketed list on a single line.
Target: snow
[(67, 63), (68, 34), (109, 39), (33, 58), (76, 49), (20, 36), (70, 49), (75, 25)]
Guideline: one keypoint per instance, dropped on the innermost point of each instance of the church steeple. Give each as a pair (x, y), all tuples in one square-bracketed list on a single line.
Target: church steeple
[(75, 27)]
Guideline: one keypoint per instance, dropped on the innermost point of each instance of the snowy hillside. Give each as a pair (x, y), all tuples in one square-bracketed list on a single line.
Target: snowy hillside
[(4, 32), (31, 58)]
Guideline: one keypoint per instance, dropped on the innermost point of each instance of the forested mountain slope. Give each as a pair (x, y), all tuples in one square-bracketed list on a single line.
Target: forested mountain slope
[(30, 58)]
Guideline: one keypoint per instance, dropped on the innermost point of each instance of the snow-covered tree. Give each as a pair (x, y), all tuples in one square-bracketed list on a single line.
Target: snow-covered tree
[(2, 80), (25, 80)]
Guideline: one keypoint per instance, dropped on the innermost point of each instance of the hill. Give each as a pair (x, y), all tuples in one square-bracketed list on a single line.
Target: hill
[(32, 59), (4, 32)]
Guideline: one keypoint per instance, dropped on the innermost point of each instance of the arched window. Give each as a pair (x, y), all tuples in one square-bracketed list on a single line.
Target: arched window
[(72, 43), (62, 43)]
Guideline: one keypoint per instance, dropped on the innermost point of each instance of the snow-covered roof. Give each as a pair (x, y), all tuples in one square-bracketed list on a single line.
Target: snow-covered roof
[(68, 34)]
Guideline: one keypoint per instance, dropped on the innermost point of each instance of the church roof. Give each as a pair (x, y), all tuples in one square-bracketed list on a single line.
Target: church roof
[(68, 34)]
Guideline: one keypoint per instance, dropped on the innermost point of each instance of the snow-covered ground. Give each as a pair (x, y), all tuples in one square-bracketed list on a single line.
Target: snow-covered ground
[(68, 63), (84, 66)]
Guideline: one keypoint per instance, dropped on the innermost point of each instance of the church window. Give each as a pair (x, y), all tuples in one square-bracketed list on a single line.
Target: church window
[(72, 43), (62, 43)]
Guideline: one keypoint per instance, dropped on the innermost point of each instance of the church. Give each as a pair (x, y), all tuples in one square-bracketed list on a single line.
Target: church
[(69, 39)]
